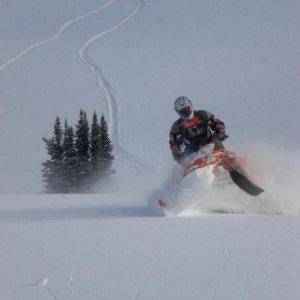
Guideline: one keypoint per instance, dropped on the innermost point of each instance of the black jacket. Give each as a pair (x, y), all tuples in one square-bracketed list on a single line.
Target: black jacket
[(194, 132)]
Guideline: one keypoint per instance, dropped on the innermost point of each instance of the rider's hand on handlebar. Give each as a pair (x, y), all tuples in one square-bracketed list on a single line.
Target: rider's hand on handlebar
[(221, 136), (176, 150)]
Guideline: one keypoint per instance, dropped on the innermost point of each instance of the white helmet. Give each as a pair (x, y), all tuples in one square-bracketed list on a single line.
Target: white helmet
[(183, 106)]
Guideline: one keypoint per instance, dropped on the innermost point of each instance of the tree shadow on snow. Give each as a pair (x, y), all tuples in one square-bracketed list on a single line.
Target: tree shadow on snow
[(95, 212)]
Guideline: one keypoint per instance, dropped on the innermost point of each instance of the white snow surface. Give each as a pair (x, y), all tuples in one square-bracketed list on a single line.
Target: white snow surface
[(107, 247), (129, 59)]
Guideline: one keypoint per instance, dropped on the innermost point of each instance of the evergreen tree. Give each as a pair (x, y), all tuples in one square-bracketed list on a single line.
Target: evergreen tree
[(82, 143), (53, 167), (95, 142), (106, 156), (77, 160), (70, 159)]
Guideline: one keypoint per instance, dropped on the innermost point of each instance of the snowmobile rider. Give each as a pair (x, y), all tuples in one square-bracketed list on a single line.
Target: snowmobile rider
[(193, 130)]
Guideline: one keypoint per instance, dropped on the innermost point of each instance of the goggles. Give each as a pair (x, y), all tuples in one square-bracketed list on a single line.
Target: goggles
[(186, 111)]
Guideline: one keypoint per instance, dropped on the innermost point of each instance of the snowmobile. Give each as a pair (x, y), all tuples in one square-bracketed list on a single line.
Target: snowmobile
[(211, 165)]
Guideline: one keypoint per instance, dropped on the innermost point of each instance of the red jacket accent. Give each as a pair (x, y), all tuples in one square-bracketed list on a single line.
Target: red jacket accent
[(189, 123)]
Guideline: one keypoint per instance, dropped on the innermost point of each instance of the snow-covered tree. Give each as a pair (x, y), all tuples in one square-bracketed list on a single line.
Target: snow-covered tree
[(95, 143), (78, 160), (70, 159), (82, 142), (53, 170), (106, 155)]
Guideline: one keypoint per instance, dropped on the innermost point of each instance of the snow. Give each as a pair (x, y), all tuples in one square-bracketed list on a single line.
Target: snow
[(93, 247), (130, 59)]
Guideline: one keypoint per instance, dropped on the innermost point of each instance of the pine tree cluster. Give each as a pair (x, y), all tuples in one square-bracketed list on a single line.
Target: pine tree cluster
[(78, 158)]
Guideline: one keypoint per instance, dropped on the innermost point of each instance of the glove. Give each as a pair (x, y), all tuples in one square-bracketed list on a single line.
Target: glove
[(176, 150), (221, 136)]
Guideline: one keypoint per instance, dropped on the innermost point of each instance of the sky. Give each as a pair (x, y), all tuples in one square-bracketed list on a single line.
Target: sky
[(238, 59)]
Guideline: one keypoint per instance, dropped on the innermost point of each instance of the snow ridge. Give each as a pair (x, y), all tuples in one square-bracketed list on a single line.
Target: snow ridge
[(56, 36), (153, 267), (260, 254), (110, 97), (220, 273)]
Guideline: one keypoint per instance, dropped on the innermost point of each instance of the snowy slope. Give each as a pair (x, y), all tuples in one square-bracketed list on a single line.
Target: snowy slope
[(130, 59), (90, 247)]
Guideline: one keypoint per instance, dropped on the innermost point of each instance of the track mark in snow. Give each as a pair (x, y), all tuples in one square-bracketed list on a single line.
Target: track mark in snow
[(151, 270), (50, 291), (255, 260), (220, 273), (260, 254), (111, 99), (56, 36), (283, 229)]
